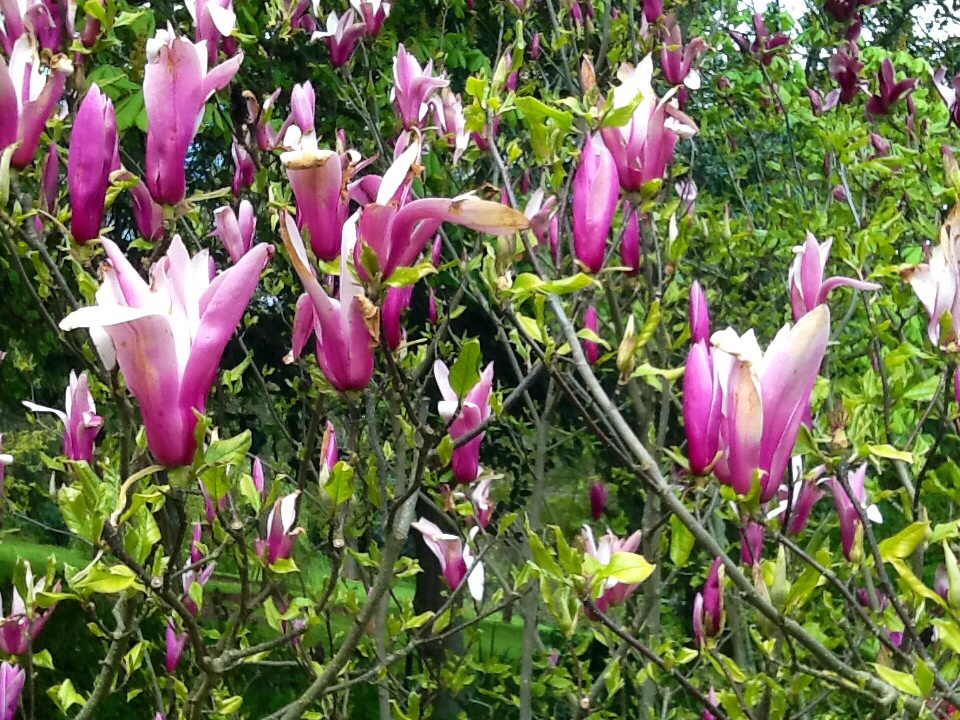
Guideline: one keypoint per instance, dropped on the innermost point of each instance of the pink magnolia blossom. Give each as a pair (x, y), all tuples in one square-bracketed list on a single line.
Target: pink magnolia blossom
[(598, 499), (482, 504), (676, 60), (329, 452), (764, 44), (708, 606), (344, 343), (19, 628), (845, 67), (176, 85), (630, 242), (825, 105), (851, 527), (213, 20), (175, 642), (462, 418), (169, 334), (28, 97), (762, 395), (889, 91), (698, 314), (449, 119), (94, 154), (936, 282), (591, 349), (396, 301), (643, 147), (80, 420), (614, 592), (595, 196), (341, 35), (244, 169), (281, 533), (412, 87), (808, 288), (949, 91), (51, 22), (751, 542), (235, 230), (456, 558), (11, 687), (373, 12)]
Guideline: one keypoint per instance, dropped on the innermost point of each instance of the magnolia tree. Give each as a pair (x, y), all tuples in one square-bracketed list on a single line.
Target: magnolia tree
[(541, 359)]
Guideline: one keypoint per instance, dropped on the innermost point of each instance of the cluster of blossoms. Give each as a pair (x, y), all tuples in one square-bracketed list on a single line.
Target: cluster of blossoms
[(742, 411)]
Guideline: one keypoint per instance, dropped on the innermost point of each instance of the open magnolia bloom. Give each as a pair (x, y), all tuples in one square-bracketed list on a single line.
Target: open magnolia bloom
[(344, 340), (413, 86), (455, 557), (763, 397), (851, 526), (937, 284), (28, 97), (464, 417), (281, 533), (212, 20), (808, 288), (168, 335), (80, 420), (614, 592), (17, 629), (397, 228), (643, 147)]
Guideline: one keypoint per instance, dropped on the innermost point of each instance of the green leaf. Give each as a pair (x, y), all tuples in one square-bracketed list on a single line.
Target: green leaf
[(284, 566), (65, 696), (418, 621), (543, 558), (890, 453), (948, 633), (569, 284), (924, 677), (681, 542), (230, 451), (404, 276), (229, 705), (43, 659), (96, 9), (536, 110), (465, 371), (900, 680), (628, 568), (340, 485), (913, 582), (105, 579), (904, 542)]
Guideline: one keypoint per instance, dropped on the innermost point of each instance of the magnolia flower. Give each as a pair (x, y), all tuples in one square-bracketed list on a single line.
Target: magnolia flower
[(949, 91), (851, 527), (147, 213), (712, 698), (432, 307), (170, 334), (828, 103), (236, 233), (595, 195), (806, 282), (539, 210), (196, 554), (212, 20), (412, 87), (176, 85), (482, 504), (630, 242), (845, 10), (456, 558), (80, 420), (344, 341), (373, 12), (937, 282), (175, 642), (17, 630), (28, 97), (888, 90), (329, 452), (764, 43), (281, 533), (244, 169), (463, 418), (93, 155), (698, 314), (614, 592), (341, 35), (449, 118), (643, 147), (259, 117), (800, 499), (751, 542), (598, 499), (201, 578), (397, 229), (395, 302), (676, 61), (708, 606), (49, 185), (50, 22), (11, 686), (845, 67), (762, 397)]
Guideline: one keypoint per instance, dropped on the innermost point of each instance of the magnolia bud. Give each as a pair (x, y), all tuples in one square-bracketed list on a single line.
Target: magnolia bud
[(953, 577), (626, 353)]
